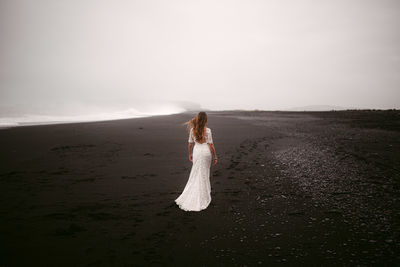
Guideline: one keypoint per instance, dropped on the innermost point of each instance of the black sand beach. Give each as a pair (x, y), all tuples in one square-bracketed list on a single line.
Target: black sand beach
[(291, 188)]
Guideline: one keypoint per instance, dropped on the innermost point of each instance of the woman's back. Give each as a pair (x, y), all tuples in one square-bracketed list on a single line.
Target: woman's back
[(207, 137)]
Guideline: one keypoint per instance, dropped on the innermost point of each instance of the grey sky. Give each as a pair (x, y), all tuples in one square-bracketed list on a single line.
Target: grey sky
[(220, 54)]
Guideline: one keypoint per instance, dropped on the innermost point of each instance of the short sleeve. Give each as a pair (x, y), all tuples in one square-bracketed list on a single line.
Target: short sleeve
[(190, 140), (209, 137)]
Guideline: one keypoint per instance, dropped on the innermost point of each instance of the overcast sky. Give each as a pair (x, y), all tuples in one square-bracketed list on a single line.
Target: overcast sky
[(221, 54)]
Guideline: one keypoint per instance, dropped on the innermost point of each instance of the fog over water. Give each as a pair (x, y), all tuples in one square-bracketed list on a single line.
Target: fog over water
[(110, 59)]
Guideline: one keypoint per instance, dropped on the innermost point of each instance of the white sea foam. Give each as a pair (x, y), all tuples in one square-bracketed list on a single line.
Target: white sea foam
[(35, 119)]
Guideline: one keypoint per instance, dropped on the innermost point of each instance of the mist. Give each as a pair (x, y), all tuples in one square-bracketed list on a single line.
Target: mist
[(71, 58)]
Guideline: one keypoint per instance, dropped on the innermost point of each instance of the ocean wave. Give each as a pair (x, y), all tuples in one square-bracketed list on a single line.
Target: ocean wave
[(34, 119)]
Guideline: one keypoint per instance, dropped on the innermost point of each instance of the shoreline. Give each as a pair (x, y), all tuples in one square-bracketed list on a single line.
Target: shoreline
[(44, 123), (40, 123)]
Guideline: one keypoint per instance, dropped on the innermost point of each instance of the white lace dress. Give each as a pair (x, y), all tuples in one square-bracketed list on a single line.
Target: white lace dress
[(196, 195)]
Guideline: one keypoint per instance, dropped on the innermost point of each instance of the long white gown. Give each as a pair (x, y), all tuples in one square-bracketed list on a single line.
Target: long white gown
[(196, 195)]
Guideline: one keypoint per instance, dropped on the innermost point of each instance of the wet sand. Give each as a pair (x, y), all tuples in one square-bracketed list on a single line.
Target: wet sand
[(291, 188)]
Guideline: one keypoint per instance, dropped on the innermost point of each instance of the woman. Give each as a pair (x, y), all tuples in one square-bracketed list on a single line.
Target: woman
[(196, 195)]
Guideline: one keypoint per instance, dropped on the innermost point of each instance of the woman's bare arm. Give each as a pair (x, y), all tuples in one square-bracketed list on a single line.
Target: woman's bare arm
[(212, 149), (190, 149)]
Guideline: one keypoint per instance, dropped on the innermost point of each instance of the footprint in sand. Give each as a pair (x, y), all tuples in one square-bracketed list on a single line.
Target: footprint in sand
[(71, 230)]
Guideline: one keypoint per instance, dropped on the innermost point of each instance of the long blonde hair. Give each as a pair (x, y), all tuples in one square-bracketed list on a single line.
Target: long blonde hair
[(198, 123)]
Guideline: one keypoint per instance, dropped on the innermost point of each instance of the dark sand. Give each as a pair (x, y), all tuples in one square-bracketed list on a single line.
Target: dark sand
[(313, 188)]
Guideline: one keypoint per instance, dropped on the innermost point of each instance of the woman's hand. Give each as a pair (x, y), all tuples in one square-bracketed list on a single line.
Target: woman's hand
[(215, 161), (191, 157)]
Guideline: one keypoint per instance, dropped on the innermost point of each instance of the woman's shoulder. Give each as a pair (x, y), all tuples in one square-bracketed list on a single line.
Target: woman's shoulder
[(208, 129)]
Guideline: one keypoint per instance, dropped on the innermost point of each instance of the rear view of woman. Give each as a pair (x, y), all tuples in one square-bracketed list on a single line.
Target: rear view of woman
[(196, 195)]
